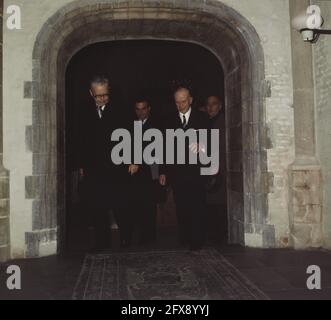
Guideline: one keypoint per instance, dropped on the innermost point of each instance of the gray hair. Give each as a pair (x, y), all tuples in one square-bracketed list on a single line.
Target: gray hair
[(100, 80)]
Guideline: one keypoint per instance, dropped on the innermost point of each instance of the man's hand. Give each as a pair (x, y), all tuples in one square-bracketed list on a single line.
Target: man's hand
[(197, 147), (162, 180), (133, 168)]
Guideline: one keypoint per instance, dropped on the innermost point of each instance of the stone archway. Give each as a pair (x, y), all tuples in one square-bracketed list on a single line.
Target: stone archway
[(220, 29)]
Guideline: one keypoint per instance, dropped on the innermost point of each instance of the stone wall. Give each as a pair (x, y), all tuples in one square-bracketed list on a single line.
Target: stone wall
[(322, 67), (4, 178), (271, 21)]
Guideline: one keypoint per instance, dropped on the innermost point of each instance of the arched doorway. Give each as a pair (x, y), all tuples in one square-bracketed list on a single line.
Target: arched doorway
[(139, 68), (218, 28)]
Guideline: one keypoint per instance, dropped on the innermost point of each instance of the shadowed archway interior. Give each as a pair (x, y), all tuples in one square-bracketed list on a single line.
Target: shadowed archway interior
[(137, 68), (214, 26)]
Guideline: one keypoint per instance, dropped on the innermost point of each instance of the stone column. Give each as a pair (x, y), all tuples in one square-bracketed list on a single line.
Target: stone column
[(305, 189), (4, 175)]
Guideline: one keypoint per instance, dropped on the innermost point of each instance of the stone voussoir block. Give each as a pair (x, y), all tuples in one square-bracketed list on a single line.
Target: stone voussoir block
[(4, 188)]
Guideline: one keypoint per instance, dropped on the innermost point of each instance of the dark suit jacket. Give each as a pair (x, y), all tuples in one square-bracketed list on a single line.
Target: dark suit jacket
[(185, 178), (144, 188), (217, 190), (103, 178)]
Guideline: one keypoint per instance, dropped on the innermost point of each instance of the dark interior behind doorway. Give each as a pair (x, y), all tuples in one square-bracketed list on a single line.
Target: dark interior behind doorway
[(139, 67)]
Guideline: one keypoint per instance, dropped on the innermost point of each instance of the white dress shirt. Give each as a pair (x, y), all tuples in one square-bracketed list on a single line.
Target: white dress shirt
[(102, 108), (187, 116)]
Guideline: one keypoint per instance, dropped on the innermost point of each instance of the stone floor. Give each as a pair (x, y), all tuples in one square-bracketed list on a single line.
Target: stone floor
[(176, 274), (278, 273)]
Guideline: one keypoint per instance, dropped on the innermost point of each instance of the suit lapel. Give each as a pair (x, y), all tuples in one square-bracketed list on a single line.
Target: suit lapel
[(178, 123), (190, 123), (146, 125), (106, 113), (95, 113)]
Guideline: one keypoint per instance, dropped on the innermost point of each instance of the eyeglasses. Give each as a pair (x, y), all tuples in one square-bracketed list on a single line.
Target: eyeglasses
[(98, 96)]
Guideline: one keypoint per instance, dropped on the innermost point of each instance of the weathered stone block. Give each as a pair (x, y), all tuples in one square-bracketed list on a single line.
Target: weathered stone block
[(266, 88), (235, 161), (317, 235), (269, 137), (314, 214), (255, 200), (233, 79), (268, 184), (32, 187), (236, 203), (234, 115), (31, 89), (253, 240), (251, 132), (4, 173), (33, 241), (28, 89), (40, 139), (234, 137), (301, 197), (308, 214), (4, 208), (38, 112), (32, 245), (236, 232), (4, 231), (4, 253), (233, 98), (300, 213), (4, 188), (29, 138), (136, 4), (36, 72), (38, 212), (302, 235), (236, 181), (43, 163)]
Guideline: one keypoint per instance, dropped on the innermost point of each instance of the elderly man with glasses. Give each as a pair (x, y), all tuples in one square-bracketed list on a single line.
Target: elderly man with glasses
[(105, 182)]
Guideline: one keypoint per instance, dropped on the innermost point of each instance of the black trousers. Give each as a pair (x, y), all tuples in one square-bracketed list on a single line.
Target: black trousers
[(141, 214), (100, 197), (191, 224), (147, 222), (126, 222), (191, 212), (140, 218)]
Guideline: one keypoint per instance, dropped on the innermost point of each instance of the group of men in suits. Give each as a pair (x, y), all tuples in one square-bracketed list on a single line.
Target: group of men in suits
[(128, 190)]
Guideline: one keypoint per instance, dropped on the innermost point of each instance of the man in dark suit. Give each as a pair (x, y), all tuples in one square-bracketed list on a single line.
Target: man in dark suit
[(216, 195), (105, 182), (186, 179), (144, 186)]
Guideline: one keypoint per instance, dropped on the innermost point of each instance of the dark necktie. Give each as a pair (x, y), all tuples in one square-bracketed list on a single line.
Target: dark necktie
[(100, 111), (184, 121)]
